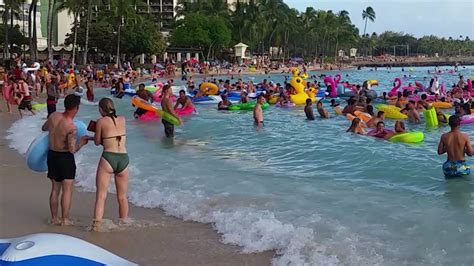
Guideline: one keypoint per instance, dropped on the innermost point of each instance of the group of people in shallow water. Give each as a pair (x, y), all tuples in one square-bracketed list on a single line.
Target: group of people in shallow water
[(110, 129)]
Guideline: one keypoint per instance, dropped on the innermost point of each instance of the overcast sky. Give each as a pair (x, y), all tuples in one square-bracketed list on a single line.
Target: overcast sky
[(443, 18)]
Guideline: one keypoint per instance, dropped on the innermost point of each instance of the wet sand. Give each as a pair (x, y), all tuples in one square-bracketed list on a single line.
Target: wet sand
[(153, 239)]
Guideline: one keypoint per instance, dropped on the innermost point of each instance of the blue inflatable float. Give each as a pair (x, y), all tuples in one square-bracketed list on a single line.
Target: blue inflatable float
[(37, 153), (55, 249)]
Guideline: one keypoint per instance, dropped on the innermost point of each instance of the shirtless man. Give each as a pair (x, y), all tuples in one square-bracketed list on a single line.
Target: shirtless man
[(413, 116), (376, 119), (167, 106), (224, 104), (184, 101), (258, 112), (308, 109), (25, 97), (322, 112), (61, 165), (456, 144), (145, 95)]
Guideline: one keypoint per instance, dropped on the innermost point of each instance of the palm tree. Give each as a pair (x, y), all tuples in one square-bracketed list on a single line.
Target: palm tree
[(88, 25), (11, 9), (73, 7), (51, 9), (121, 13), (32, 30), (368, 14)]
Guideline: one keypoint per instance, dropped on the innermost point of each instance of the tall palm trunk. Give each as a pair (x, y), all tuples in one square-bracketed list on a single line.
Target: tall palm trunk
[(88, 24), (76, 14), (365, 27), (118, 46), (32, 29), (35, 36), (6, 52), (50, 30)]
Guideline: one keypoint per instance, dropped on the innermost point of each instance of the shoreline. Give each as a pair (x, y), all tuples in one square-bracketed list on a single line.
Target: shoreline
[(153, 238)]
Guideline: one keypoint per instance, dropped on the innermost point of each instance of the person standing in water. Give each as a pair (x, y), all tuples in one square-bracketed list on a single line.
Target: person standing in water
[(167, 106), (61, 164), (258, 112), (456, 144), (110, 132), (308, 109)]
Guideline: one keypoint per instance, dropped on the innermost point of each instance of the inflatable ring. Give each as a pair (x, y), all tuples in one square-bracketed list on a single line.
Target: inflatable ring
[(37, 153), (304, 76), (409, 137), (209, 88), (38, 106), (168, 117), (140, 103)]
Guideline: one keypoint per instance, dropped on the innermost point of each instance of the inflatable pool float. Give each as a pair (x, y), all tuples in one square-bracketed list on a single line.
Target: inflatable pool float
[(38, 106), (273, 99), (209, 88), (467, 119), (285, 105), (328, 100), (246, 106), (55, 249), (184, 111), (431, 117), (140, 103), (391, 111), (212, 99), (442, 105), (409, 137), (363, 116), (375, 134), (37, 153)]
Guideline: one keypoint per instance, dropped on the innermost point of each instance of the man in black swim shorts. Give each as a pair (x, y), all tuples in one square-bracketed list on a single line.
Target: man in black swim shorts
[(61, 165)]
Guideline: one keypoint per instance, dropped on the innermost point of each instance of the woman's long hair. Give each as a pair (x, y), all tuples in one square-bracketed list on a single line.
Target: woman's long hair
[(107, 106)]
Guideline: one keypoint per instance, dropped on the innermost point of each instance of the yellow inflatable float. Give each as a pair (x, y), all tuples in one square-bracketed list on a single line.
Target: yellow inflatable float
[(312, 93), (299, 85), (209, 88)]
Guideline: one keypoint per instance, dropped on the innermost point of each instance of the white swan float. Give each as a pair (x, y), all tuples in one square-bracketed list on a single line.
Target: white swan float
[(55, 249)]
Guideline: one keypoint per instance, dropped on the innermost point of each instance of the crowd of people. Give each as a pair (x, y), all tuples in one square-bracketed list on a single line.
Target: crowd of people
[(22, 84)]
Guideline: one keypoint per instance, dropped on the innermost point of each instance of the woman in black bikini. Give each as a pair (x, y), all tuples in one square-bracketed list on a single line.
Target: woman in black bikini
[(110, 132)]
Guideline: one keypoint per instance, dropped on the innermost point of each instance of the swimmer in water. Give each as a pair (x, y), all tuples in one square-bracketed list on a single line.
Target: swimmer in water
[(399, 128), (183, 100), (356, 127), (258, 112), (413, 116), (224, 104), (456, 144), (322, 112), (376, 119), (308, 110)]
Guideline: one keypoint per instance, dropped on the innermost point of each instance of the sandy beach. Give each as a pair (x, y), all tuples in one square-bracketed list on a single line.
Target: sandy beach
[(153, 239)]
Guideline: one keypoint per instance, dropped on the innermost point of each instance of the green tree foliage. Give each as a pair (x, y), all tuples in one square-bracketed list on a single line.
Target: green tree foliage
[(139, 36), (15, 37), (209, 33)]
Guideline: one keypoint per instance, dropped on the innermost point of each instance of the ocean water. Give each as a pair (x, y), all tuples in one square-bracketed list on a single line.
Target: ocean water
[(310, 191)]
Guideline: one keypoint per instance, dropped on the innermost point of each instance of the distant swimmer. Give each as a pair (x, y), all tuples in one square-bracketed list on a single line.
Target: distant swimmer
[(224, 104), (456, 144), (374, 120), (258, 112), (356, 127), (308, 109), (167, 106), (322, 112)]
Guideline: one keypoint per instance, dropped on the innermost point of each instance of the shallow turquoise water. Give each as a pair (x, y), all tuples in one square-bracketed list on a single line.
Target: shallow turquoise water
[(307, 189)]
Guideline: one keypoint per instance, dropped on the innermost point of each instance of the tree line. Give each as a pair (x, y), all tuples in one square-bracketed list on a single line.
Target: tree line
[(114, 27)]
